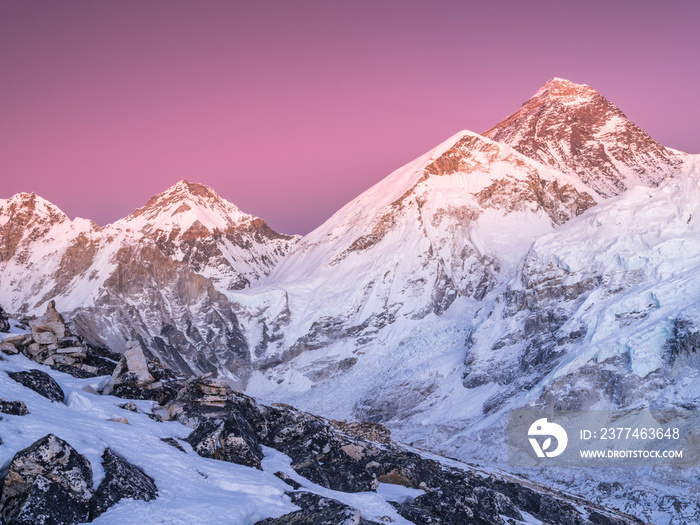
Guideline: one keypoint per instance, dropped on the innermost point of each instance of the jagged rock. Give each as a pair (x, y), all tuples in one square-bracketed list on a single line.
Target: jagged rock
[(136, 363), (315, 448), (113, 380), (130, 390), (231, 440), (102, 359), (13, 408), (33, 350), (131, 379), (4, 321), (317, 510), (45, 338), (191, 414), (47, 483), (122, 480), (64, 359), (41, 382)]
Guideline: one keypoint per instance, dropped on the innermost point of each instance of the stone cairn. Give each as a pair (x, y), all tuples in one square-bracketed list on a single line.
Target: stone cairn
[(49, 343)]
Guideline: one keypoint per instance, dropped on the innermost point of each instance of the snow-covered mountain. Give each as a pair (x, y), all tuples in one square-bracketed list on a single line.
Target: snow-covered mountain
[(548, 262), (158, 275), (453, 223)]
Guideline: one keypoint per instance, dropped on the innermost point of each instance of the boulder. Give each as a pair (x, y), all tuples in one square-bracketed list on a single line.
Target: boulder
[(48, 483), (13, 408), (114, 379), (41, 382), (231, 440), (33, 350), (50, 322), (122, 480)]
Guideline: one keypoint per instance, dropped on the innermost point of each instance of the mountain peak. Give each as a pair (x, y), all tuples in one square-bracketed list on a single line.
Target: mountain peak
[(574, 129), (565, 91), (194, 189), (184, 204), (31, 204)]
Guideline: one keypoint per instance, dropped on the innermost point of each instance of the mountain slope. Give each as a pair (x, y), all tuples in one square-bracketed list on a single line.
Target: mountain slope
[(369, 313), (574, 129), (603, 314)]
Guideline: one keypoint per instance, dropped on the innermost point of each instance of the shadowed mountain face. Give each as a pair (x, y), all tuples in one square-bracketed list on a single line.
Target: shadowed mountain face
[(576, 130)]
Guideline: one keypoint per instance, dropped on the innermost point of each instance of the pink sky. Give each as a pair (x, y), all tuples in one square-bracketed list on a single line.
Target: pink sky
[(291, 109)]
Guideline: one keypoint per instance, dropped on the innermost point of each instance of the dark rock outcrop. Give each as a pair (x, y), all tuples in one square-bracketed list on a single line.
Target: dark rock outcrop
[(317, 510), (122, 480), (230, 440), (41, 382), (47, 483), (349, 457)]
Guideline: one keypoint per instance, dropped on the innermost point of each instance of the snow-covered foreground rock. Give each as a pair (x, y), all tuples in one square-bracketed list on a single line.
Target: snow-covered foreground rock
[(352, 481)]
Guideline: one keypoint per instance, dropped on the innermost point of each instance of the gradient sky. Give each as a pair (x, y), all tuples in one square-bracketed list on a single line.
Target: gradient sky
[(290, 109)]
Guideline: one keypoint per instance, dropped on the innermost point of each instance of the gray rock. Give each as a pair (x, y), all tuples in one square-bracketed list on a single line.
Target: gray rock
[(122, 480), (4, 321), (45, 338), (41, 382), (8, 348), (136, 362)]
